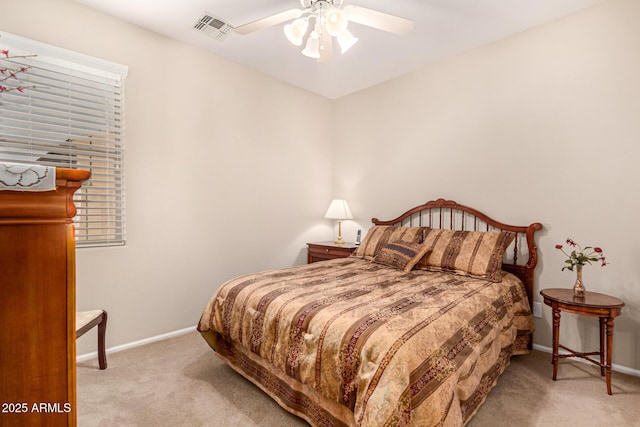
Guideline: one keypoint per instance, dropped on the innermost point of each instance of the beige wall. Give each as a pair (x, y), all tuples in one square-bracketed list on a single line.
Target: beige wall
[(543, 126), (211, 147)]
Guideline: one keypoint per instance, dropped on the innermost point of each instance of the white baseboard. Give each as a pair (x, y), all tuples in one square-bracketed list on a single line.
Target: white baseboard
[(614, 367), (134, 344)]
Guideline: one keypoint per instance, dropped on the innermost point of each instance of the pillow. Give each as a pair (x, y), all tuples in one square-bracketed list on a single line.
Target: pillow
[(379, 235), (470, 253), (400, 254)]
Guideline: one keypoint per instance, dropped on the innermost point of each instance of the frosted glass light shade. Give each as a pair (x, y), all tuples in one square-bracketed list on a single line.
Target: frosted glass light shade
[(312, 48), (346, 40), (338, 209), (336, 21), (296, 31)]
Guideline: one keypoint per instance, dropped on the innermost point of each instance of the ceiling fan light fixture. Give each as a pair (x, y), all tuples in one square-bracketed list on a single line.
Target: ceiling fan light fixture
[(346, 40), (336, 21), (312, 48), (296, 31), (331, 20)]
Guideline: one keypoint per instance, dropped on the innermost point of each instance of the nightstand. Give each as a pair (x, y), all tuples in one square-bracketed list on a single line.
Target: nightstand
[(322, 251), (592, 304)]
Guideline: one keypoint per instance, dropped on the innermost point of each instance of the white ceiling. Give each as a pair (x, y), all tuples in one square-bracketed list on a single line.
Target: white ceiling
[(443, 28)]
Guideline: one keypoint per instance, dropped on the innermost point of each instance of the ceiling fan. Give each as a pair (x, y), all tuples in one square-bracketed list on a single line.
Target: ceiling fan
[(331, 19)]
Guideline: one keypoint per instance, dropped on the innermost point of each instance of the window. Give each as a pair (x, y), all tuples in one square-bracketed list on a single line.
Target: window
[(66, 110)]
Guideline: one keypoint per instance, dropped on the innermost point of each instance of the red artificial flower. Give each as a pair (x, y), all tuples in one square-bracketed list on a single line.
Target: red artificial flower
[(5, 52), (580, 256)]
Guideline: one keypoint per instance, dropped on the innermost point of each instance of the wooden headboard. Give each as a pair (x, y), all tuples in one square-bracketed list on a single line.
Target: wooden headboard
[(521, 256)]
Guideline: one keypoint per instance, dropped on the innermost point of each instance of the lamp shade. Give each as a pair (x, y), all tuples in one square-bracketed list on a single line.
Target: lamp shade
[(296, 31), (336, 21), (338, 209), (346, 40), (312, 48)]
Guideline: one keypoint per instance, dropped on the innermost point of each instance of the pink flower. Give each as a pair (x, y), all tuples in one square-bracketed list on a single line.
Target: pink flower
[(5, 52), (580, 257), (20, 89)]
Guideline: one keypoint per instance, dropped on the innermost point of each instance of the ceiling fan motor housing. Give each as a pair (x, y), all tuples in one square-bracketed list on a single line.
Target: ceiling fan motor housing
[(310, 3)]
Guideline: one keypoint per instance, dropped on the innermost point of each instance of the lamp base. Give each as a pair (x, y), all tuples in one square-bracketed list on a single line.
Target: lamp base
[(339, 241)]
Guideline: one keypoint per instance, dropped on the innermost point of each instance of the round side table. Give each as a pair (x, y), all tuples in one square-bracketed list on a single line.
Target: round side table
[(592, 304)]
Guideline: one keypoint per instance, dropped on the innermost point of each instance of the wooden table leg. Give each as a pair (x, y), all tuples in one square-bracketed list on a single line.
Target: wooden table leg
[(556, 339), (603, 324), (609, 348)]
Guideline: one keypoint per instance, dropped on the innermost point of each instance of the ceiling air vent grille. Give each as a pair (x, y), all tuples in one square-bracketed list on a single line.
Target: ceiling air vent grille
[(212, 26)]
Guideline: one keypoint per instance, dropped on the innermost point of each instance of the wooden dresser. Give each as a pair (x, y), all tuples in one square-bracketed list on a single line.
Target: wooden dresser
[(37, 305)]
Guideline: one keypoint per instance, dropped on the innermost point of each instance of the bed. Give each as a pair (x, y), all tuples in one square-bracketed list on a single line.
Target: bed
[(413, 329)]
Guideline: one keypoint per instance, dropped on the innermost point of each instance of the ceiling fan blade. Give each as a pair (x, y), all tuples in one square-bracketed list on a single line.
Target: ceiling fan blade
[(269, 21), (326, 47), (380, 20)]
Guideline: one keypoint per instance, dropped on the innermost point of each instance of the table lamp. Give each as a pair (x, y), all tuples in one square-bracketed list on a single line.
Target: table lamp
[(339, 209)]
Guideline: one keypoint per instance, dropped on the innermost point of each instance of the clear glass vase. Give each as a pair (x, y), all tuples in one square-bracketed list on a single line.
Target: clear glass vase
[(578, 287)]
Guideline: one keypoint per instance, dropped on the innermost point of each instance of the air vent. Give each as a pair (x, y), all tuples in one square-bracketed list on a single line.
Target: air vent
[(212, 26)]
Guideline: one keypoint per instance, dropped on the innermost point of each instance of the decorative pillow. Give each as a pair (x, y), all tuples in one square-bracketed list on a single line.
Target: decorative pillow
[(400, 254), (470, 253), (379, 235)]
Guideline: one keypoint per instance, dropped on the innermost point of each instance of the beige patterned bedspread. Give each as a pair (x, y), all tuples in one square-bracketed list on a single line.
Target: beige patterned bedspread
[(352, 342)]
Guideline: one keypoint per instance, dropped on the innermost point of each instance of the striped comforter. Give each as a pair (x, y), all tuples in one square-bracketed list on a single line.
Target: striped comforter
[(352, 342)]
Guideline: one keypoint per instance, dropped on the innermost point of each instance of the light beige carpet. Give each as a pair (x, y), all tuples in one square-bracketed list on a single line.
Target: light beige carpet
[(180, 382)]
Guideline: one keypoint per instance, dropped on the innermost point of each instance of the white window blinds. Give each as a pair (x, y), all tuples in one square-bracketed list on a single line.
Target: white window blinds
[(66, 110)]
